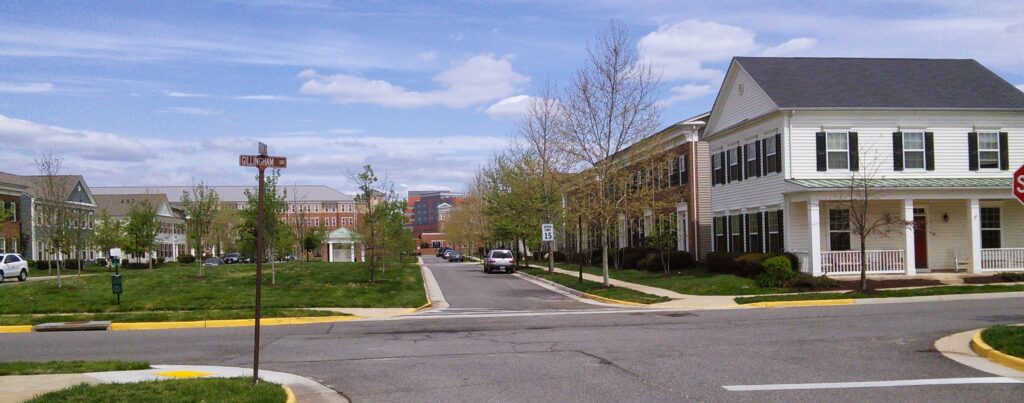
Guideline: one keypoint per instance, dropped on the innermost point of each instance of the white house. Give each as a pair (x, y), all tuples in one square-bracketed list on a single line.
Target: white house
[(936, 140), (170, 240)]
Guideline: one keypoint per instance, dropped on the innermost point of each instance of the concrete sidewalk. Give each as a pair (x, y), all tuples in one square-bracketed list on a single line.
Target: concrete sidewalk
[(680, 301), (23, 387)]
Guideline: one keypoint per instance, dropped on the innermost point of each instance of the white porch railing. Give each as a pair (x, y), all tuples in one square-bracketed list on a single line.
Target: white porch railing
[(1002, 259), (848, 261)]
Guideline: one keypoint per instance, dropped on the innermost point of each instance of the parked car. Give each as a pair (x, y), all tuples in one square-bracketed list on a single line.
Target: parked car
[(232, 258), (455, 257), (500, 259), (213, 261), (102, 261), (447, 253), (12, 265), (441, 250)]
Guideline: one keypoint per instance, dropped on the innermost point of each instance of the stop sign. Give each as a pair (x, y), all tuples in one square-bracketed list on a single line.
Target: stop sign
[(1018, 184)]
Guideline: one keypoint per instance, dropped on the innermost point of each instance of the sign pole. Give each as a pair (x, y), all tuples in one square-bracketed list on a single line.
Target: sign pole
[(259, 279)]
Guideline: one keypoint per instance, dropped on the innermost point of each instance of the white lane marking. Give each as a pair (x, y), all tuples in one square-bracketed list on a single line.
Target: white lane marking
[(875, 384), (504, 315)]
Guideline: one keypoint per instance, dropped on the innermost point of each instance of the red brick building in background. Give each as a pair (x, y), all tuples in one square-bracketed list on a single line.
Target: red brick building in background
[(427, 211), (10, 229)]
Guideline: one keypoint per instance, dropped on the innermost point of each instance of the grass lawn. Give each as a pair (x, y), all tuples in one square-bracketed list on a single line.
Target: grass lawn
[(178, 390), (67, 367), (223, 292), (912, 292), (1007, 339), (691, 281), (590, 287)]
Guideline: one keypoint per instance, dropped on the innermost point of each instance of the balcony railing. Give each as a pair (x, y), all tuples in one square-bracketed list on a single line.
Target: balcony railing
[(848, 262), (1002, 259)]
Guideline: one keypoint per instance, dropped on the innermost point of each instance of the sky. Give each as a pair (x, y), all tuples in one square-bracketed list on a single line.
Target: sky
[(170, 93)]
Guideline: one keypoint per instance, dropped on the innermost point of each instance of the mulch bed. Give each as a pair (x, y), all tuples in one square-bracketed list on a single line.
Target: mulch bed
[(896, 283), (995, 278)]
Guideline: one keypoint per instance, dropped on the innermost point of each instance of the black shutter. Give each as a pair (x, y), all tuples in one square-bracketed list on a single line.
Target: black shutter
[(714, 172), (728, 233), (741, 156), (972, 148), (778, 152), (929, 151), (758, 158), (764, 157), (854, 152), (684, 172), (743, 232), (762, 231), (722, 173), (897, 151), (782, 234), (819, 144), (1004, 151)]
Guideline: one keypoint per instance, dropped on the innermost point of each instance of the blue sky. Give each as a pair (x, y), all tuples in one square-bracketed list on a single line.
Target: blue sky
[(150, 93)]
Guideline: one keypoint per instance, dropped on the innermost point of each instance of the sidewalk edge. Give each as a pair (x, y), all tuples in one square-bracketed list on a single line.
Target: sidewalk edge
[(581, 294), (981, 348)]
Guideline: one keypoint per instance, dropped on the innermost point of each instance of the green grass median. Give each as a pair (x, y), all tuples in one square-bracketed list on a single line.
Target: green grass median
[(67, 367), (175, 292), (695, 281), (590, 287), (1006, 339), (909, 292), (178, 390)]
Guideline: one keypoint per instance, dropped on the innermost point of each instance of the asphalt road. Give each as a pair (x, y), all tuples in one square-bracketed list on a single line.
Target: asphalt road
[(585, 354)]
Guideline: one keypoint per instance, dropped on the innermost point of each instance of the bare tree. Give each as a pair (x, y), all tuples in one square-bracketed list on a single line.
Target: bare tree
[(53, 210), (610, 104), (861, 199)]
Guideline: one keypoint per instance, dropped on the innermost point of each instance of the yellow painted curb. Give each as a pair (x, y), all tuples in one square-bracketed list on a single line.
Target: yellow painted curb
[(302, 320), (612, 300), (983, 349), (16, 329), (424, 306), (290, 396), (790, 304)]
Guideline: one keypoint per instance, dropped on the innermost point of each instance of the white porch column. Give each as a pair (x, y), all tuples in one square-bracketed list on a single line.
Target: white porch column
[(909, 245), (352, 251), (814, 232), (174, 249), (975, 218), (330, 254)]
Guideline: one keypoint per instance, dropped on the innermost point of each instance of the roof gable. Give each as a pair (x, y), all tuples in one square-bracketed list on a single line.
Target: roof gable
[(739, 99)]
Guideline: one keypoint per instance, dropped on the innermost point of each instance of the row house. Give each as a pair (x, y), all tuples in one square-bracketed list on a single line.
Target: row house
[(930, 142), (37, 202), (170, 239), (10, 225)]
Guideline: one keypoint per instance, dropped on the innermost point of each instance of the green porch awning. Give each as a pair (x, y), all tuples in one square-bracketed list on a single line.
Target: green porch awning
[(914, 183)]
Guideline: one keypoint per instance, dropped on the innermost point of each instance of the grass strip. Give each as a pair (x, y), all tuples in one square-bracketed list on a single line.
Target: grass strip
[(67, 367), (910, 292), (178, 390), (1006, 339), (590, 287), (696, 281), (167, 316)]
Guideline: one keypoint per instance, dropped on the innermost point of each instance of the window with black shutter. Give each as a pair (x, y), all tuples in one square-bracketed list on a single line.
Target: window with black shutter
[(753, 232), (716, 169), (720, 244), (771, 156), (684, 169), (736, 233), (774, 231), (734, 164), (989, 150), (752, 170)]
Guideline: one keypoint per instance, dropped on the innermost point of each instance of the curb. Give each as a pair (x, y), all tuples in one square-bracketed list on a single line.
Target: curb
[(16, 329), (983, 349), (802, 303), (301, 320), (289, 395), (581, 293)]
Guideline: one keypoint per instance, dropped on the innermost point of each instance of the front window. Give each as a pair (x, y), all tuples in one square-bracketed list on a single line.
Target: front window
[(774, 238), (771, 156), (751, 153), (753, 233), (734, 164), (839, 229), (720, 234), (991, 228), (717, 163), (736, 236), (988, 150), (681, 231), (838, 147), (913, 150)]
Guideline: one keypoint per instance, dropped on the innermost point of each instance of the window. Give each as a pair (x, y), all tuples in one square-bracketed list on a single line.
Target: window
[(771, 156), (988, 150), (682, 231), (716, 162), (3, 248), (752, 162), (12, 245), (753, 232), (991, 228), (734, 164), (14, 211), (913, 150), (838, 150), (774, 235), (839, 229), (720, 234), (682, 173), (736, 234)]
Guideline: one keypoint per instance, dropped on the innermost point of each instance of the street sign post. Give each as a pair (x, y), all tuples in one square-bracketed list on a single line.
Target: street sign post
[(1018, 184), (261, 162), (116, 286)]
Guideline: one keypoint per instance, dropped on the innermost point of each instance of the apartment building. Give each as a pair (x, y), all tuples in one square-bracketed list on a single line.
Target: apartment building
[(10, 228), (36, 212), (170, 240)]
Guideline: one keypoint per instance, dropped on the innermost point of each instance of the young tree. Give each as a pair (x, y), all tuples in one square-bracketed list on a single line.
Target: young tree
[(864, 222), (610, 104), (224, 228), (373, 198), (199, 205), (141, 230), (274, 205), (53, 210), (467, 224), (109, 234), (312, 239)]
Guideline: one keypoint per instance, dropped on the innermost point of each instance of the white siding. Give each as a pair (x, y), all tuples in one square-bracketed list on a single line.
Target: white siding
[(751, 193), (875, 130), (734, 107)]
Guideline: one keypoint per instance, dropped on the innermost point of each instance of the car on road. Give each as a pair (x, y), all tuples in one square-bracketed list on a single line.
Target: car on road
[(456, 257), (500, 259), (232, 258), (12, 265), (440, 251), (213, 261), (447, 253)]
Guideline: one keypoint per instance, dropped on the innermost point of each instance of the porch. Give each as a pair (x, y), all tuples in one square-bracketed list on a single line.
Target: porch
[(927, 233)]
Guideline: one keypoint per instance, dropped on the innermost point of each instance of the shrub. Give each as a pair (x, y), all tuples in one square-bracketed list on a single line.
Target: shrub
[(161, 260), (650, 262), (804, 280), (630, 257), (186, 258), (777, 272), (736, 263), (1011, 276)]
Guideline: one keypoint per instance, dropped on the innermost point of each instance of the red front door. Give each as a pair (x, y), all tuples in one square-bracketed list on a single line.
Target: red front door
[(920, 241)]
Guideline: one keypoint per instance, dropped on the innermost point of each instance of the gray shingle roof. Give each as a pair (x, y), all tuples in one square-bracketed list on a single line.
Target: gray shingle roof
[(232, 194), (998, 183), (807, 82)]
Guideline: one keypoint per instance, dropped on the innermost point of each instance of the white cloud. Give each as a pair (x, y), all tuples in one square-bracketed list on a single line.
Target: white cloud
[(427, 56), (176, 94), (510, 108), (28, 139), (264, 97), (687, 92), (25, 88), (790, 47), (479, 79), (193, 111)]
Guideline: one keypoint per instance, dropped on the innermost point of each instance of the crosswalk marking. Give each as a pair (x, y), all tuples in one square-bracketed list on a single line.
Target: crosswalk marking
[(455, 313), (875, 384)]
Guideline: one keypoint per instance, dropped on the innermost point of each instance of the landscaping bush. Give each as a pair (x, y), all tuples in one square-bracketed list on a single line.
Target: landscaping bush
[(804, 280), (185, 258), (52, 264), (1011, 276), (794, 261), (736, 263), (650, 262), (778, 272), (161, 260), (677, 260), (630, 257)]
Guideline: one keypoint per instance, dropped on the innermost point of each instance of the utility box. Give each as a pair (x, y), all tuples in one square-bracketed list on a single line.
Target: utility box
[(115, 284)]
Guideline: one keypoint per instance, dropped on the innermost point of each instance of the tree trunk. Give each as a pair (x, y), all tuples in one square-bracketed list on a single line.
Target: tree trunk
[(150, 258), (58, 272), (551, 256), (604, 256), (863, 265)]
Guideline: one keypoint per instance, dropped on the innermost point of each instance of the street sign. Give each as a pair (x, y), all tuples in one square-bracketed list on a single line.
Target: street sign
[(262, 161), (547, 232), (262, 148), (1018, 184), (116, 252)]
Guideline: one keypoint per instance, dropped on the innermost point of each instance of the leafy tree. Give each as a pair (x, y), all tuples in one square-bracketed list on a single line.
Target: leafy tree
[(110, 233), (375, 199), (224, 228), (312, 239), (55, 215), (274, 205), (141, 230), (199, 205)]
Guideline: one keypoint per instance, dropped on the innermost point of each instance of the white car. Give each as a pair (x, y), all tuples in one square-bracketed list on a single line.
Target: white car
[(500, 259), (12, 265)]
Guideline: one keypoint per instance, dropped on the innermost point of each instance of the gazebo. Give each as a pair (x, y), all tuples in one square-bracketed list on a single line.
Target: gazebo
[(341, 244)]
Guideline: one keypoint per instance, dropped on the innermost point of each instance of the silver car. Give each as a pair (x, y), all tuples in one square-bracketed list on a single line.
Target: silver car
[(500, 259), (12, 265)]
